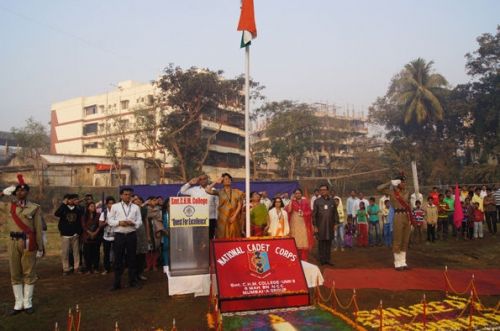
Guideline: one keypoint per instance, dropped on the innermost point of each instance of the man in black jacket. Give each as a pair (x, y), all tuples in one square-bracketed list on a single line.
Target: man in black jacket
[(70, 228), (325, 216)]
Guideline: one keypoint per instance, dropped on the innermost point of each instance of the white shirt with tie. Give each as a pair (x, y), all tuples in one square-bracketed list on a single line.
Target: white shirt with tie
[(121, 211)]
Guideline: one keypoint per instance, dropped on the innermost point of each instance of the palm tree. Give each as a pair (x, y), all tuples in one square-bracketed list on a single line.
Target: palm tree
[(416, 89)]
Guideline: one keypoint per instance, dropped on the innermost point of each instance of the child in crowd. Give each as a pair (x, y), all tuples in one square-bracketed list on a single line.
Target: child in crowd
[(442, 225), (387, 224), (373, 210), (478, 221), (431, 218), (419, 226), (469, 214), (349, 232), (108, 235), (362, 219), (464, 226)]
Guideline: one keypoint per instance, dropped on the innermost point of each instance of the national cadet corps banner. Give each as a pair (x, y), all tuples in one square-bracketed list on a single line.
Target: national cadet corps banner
[(259, 273), (188, 212)]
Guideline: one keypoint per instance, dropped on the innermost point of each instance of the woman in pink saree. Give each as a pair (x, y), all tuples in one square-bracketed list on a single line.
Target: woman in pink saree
[(301, 227)]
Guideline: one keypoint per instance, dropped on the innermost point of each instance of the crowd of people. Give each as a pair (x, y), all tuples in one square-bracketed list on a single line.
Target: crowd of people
[(363, 221), (134, 233)]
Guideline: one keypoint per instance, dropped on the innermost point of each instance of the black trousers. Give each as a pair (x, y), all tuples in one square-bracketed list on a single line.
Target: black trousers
[(125, 244), (107, 248), (491, 221), (91, 255), (324, 251), (140, 263), (431, 232), (212, 227)]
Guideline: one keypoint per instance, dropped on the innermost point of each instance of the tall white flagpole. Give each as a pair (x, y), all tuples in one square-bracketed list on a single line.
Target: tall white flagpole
[(247, 140)]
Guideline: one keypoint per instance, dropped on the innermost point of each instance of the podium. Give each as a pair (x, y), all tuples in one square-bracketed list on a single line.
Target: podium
[(189, 242), (259, 273)]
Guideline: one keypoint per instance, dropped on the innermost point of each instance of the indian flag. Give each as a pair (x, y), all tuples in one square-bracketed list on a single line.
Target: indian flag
[(247, 23)]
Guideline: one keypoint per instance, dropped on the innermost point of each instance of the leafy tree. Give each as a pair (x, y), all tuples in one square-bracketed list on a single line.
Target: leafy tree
[(416, 90), (289, 132), (117, 144), (482, 96), (190, 95), (34, 141), (147, 134), (485, 61), (419, 122)]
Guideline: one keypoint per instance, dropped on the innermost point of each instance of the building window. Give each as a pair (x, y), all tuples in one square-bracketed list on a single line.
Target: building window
[(89, 129), (229, 160), (122, 124), (90, 110), (101, 108), (124, 104), (149, 100), (88, 146)]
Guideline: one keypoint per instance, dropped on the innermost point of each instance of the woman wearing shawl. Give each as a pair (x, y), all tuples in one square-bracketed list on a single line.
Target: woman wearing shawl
[(278, 219), (301, 227)]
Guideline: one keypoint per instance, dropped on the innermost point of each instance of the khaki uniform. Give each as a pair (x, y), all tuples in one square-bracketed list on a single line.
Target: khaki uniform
[(401, 224), (21, 260)]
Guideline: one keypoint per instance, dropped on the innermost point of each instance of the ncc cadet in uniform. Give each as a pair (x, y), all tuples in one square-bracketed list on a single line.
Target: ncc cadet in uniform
[(23, 221), (400, 201)]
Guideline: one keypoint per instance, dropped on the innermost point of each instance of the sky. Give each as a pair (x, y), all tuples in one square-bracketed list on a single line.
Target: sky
[(330, 51)]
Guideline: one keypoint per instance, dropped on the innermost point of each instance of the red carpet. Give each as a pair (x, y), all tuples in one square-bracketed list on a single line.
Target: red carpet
[(487, 281)]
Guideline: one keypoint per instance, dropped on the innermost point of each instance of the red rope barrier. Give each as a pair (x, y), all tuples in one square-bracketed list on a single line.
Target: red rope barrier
[(381, 313), (471, 310), (356, 308), (424, 317)]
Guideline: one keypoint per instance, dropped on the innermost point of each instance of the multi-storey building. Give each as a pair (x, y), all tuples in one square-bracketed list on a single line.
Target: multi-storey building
[(84, 126), (333, 151)]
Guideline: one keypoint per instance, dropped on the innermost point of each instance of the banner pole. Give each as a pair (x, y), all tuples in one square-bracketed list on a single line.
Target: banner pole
[(247, 141)]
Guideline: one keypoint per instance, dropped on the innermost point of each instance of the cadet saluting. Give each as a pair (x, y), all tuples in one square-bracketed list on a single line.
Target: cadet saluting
[(23, 220)]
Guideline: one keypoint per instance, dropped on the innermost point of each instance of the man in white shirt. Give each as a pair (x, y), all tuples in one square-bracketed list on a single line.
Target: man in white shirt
[(265, 199), (314, 197), (352, 206), (108, 233), (483, 192), (196, 188), (126, 218)]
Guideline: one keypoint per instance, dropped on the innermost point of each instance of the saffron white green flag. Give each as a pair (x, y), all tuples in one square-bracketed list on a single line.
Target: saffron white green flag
[(247, 23)]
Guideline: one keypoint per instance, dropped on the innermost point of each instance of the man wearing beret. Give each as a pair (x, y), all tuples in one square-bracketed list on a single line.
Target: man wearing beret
[(23, 220), (400, 201)]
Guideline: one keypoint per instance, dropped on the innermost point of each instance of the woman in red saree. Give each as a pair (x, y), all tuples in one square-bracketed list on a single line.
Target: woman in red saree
[(301, 227)]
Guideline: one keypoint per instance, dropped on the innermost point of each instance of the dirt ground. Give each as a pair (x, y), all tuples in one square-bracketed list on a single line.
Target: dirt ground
[(151, 307)]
